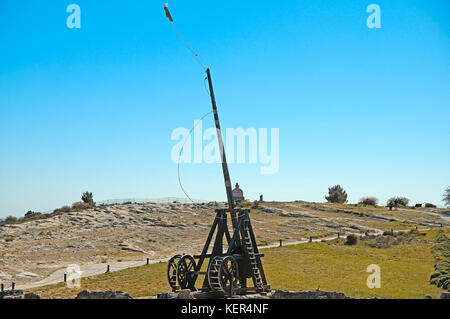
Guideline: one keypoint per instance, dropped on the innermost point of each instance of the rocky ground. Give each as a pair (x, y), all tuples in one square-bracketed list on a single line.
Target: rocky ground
[(33, 250)]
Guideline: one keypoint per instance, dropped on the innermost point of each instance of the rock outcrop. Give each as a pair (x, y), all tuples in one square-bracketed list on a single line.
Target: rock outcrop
[(107, 294), (182, 294), (277, 294), (445, 295), (18, 294), (281, 294)]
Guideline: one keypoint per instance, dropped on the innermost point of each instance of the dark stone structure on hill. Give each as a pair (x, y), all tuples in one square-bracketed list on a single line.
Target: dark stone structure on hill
[(238, 194)]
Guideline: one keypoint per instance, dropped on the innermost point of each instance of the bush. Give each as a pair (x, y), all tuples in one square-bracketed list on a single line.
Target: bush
[(80, 206), (397, 201), (369, 201), (10, 220), (336, 194), (88, 198), (429, 205), (389, 239), (30, 213), (388, 233), (64, 209), (351, 240), (255, 204), (441, 252)]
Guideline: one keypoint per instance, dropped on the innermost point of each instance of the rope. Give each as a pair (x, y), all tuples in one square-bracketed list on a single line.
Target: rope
[(181, 151), (180, 36)]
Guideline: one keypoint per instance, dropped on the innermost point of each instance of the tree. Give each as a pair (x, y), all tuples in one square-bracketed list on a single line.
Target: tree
[(397, 201), (369, 201), (10, 220), (446, 198), (336, 194), (88, 198)]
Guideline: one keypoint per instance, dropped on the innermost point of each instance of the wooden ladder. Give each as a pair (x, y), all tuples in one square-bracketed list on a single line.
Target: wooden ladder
[(257, 281)]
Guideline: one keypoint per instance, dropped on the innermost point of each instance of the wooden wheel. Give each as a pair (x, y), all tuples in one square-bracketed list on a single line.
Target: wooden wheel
[(223, 274), (172, 271), (213, 273), (228, 274), (185, 272)]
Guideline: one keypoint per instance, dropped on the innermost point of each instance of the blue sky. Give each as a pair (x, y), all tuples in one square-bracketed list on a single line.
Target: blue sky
[(94, 108)]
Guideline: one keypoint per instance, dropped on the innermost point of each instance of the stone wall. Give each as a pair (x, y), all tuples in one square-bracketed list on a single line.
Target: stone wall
[(18, 294)]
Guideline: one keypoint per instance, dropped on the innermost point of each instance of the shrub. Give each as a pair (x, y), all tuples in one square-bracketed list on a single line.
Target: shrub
[(446, 197), (88, 198), (351, 240), (399, 238), (336, 194), (10, 220), (369, 201), (64, 209), (30, 213), (80, 206), (442, 246), (429, 205), (388, 233), (255, 204), (397, 201), (441, 251)]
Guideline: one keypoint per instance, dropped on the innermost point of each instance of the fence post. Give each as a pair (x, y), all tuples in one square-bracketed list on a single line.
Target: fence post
[(13, 286), (107, 268), (65, 277), (148, 261), (281, 242), (2, 287), (310, 239)]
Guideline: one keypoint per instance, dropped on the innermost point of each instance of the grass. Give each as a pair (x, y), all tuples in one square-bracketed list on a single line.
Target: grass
[(405, 272), (139, 281)]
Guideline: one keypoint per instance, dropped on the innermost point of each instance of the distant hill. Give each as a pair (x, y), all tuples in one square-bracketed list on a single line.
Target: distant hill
[(152, 200)]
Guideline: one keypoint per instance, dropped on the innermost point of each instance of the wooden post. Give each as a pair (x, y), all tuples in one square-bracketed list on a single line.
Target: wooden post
[(310, 239), (281, 242), (339, 235), (148, 261), (226, 174), (65, 277), (2, 287), (107, 268), (13, 286)]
